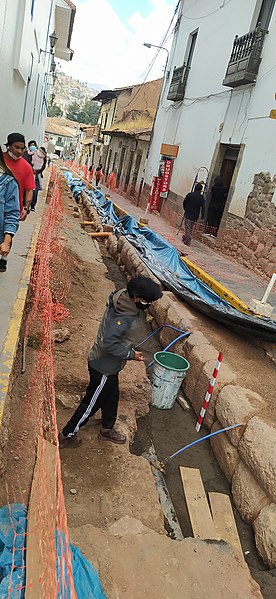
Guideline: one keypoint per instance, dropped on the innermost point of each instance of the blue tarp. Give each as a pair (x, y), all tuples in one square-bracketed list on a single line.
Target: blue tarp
[(13, 525), (165, 262)]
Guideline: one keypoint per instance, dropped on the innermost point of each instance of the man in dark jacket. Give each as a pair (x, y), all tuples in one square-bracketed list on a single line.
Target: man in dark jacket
[(112, 348), (193, 204)]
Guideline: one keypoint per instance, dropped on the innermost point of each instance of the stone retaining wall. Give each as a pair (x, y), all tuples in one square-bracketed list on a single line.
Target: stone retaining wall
[(247, 454), (252, 240)]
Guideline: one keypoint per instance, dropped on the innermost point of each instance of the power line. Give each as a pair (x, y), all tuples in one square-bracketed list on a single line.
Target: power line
[(209, 13), (162, 42)]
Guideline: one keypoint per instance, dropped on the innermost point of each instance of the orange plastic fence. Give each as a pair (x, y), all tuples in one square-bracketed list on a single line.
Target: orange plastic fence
[(49, 287)]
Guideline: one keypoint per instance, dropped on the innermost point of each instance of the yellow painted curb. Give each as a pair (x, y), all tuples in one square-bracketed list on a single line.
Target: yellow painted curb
[(15, 321), (222, 291)]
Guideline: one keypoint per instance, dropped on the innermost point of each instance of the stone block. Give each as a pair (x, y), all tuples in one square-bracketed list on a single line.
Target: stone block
[(257, 450), (198, 357), (236, 405), (265, 534), (259, 308), (160, 308), (226, 454), (121, 242), (226, 376), (249, 497)]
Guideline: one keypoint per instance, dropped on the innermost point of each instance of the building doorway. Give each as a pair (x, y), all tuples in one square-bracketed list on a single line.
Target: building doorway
[(224, 173), (130, 163), (135, 174), (121, 163)]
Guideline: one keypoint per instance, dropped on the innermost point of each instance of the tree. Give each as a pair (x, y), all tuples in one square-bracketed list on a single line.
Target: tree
[(73, 111), (54, 110), (90, 112), (87, 113)]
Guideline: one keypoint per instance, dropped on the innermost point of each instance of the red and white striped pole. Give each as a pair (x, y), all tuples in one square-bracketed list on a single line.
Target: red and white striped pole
[(209, 392)]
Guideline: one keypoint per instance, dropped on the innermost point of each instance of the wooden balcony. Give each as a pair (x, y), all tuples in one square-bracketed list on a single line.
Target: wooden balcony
[(178, 83), (245, 58)]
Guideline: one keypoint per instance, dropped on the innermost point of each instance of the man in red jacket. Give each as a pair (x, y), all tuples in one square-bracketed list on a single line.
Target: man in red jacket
[(21, 170)]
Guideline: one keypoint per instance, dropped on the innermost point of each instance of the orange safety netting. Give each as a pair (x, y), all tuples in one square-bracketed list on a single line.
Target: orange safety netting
[(49, 287)]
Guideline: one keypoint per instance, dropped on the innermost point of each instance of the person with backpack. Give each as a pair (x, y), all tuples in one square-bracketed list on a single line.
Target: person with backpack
[(9, 211)]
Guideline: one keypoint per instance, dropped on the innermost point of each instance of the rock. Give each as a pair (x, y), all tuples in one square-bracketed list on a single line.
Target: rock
[(61, 335), (68, 400), (265, 534), (257, 449), (248, 496), (236, 405), (226, 454), (73, 491), (127, 526), (160, 308)]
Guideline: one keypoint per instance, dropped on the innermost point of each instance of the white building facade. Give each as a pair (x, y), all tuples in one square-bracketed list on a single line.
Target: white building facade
[(27, 61), (221, 91)]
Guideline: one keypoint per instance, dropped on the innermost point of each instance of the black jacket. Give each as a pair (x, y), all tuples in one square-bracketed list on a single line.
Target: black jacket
[(193, 203), (118, 332)]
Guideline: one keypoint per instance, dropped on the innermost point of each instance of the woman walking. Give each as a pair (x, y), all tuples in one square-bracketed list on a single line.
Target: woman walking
[(9, 211)]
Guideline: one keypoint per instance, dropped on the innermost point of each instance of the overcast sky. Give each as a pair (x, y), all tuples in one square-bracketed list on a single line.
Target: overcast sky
[(108, 40)]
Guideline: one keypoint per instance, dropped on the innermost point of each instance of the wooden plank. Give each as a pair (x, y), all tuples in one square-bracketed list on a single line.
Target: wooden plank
[(197, 504), (224, 521), (41, 530)]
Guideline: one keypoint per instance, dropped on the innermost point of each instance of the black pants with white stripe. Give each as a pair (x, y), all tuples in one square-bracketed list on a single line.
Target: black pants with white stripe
[(101, 393)]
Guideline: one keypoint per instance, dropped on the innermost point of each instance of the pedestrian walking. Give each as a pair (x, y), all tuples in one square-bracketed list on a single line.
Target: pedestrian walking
[(192, 204), (217, 204), (112, 181), (98, 174), (9, 211), (113, 346), (37, 158), (21, 170)]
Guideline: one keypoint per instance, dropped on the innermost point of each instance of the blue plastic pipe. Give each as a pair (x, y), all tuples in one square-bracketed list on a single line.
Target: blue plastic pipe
[(168, 326), (228, 428)]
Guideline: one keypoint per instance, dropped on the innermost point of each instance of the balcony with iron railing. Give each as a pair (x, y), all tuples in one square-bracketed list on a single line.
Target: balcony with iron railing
[(245, 58), (178, 83)]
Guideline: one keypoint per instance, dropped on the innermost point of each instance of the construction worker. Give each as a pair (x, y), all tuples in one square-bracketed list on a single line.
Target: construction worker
[(112, 348)]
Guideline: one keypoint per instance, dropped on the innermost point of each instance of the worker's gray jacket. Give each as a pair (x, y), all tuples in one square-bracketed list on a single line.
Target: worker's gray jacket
[(117, 334)]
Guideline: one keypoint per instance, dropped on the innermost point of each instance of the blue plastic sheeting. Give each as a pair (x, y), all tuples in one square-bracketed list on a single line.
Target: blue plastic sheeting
[(165, 263), (13, 520)]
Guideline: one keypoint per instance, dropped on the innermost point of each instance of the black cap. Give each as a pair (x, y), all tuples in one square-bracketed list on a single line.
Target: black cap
[(14, 137)]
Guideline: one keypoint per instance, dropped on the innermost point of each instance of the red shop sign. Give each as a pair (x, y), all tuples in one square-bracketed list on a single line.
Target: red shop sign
[(167, 173), (155, 193)]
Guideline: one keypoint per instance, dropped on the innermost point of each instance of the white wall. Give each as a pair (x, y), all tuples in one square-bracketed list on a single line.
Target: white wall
[(230, 116), (23, 103)]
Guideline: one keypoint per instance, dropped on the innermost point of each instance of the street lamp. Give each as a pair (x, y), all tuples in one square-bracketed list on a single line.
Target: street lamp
[(53, 40), (154, 46)]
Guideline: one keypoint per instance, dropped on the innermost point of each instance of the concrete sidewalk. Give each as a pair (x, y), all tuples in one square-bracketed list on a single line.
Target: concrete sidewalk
[(241, 281), (13, 291)]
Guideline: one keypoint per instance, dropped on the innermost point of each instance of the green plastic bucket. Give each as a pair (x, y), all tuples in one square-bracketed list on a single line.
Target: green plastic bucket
[(168, 373)]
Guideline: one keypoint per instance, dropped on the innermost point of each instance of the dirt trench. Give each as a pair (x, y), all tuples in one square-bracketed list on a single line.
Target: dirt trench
[(104, 483)]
